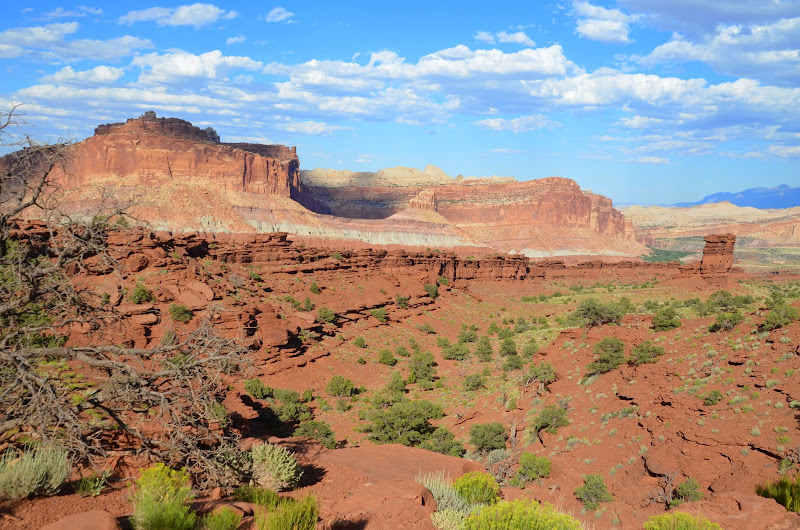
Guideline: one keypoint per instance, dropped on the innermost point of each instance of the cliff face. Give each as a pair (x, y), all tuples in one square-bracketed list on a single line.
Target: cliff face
[(157, 151), (523, 216), (180, 177)]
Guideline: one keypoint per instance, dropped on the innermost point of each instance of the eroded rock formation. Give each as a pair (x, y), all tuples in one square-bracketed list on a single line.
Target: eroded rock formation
[(717, 254), (157, 151)]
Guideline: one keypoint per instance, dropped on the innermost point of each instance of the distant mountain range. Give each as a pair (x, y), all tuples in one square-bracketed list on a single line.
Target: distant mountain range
[(782, 196)]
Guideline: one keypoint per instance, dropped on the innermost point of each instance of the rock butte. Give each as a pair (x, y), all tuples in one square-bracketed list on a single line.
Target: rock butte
[(184, 179)]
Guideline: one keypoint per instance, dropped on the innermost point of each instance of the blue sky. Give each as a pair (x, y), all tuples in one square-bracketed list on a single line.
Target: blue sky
[(645, 101)]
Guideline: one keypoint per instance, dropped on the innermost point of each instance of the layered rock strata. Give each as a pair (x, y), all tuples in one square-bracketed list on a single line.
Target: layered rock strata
[(157, 151), (717, 254)]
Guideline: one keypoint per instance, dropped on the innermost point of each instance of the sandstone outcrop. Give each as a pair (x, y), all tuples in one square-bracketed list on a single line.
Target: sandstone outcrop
[(182, 178), (717, 254), (157, 151)]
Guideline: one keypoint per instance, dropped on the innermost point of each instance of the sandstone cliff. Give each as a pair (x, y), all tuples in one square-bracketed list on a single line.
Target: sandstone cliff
[(157, 151), (183, 178)]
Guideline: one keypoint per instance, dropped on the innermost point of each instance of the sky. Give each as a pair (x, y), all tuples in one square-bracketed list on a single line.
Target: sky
[(644, 101)]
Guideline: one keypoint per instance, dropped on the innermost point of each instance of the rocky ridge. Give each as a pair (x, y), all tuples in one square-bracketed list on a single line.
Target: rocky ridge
[(182, 178)]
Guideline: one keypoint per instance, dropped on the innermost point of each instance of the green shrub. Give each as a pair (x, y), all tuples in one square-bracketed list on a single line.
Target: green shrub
[(786, 491), (318, 430), (326, 315), (92, 485), (544, 373), (402, 351), (218, 412), (508, 347), (533, 468), (161, 500), (726, 321), (337, 256), (455, 352), (666, 319), (593, 492), (513, 362), (722, 302), (679, 521), (379, 314), (275, 467), (420, 369), (256, 495), (487, 436), (405, 423), (432, 290), (468, 334), (448, 519), (339, 386), (477, 487), (521, 514), (401, 301), (284, 395), (443, 441), (314, 288), (647, 352), (224, 518), (443, 281), (257, 389), (290, 515), (530, 349), (39, 471), (387, 358), (551, 418), (141, 294), (445, 495), (359, 342), (483, 350), (591, 312), (474, 382), (781, 315), (688, 491), (610, 354), (712, 398), (180, 313)]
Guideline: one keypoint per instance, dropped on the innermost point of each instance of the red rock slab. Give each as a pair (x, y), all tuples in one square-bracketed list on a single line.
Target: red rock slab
[(94, 520)]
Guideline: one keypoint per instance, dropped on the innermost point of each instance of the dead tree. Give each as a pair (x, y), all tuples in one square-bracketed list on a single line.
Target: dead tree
[(162, 401)]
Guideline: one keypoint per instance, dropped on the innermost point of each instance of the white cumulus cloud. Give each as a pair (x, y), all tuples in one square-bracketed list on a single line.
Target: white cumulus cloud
[(601, 24), (174, 66), (517, 125), (279, 14), (518, 37), (197, 15), (95, 76)]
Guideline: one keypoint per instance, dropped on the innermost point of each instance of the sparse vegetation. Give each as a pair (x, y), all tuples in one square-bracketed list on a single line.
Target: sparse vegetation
[(432, 290), (275, 467), (180, 313), (488, 436), (679, 521), (785, 490), (36, 471), (551, 418), (610, 354), (141, 294), (340, 386), (161, 498), (477, 487), (593, 492), (521, 514)]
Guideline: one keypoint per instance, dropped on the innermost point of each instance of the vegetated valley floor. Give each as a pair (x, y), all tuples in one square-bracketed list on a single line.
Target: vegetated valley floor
[(631, 425)]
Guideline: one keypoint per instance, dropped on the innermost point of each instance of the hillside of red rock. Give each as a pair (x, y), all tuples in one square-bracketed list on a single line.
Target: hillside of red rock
[(634, 425), (181, 178)]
